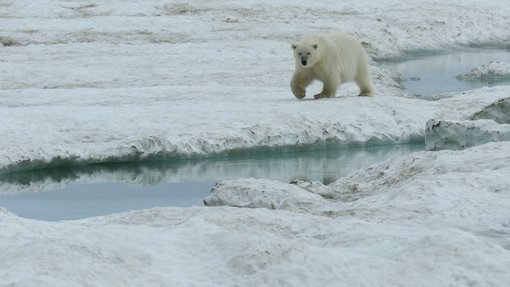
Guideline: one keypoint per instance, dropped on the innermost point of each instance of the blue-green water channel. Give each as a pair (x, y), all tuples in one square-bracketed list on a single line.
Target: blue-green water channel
[(427, 74), (79, 192)]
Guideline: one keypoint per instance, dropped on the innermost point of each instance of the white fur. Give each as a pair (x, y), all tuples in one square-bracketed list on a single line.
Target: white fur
[(333, 59)]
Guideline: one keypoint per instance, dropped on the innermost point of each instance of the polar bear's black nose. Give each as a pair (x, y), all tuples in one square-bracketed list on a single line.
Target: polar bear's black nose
[(303, 62)]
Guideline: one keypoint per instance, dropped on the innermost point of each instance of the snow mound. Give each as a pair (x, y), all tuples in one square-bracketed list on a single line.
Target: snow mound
[(445, 134), (466, 190), (262, 193), (493, 70)]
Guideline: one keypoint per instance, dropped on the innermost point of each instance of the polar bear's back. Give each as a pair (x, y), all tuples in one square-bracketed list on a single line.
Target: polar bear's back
[(344, 52)]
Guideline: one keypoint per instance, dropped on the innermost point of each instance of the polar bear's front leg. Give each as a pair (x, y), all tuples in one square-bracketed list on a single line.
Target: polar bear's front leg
[(298, 91), (299, 83)]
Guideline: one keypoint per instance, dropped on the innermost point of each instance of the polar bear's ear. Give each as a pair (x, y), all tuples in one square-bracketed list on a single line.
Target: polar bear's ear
[(315, 46), (294, 46)]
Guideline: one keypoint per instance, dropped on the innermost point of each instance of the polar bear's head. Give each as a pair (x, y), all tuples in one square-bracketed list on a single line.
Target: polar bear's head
[(305, 54)]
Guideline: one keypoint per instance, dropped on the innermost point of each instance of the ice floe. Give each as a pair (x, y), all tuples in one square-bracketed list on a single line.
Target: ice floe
[(115, 81)]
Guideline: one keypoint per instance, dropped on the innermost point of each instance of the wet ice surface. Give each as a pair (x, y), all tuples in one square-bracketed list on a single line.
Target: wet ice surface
[(431, 74)]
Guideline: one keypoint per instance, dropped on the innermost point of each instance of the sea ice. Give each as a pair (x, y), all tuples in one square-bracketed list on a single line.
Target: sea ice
[(114, 80)]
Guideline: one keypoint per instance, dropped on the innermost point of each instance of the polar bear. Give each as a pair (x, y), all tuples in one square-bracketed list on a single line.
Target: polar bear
[(333, 59)]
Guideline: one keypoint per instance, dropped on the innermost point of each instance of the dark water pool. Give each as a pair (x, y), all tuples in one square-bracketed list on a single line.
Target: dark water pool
[(73, 193)]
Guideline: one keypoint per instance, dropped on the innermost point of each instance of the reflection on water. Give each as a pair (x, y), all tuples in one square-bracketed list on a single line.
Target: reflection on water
[(70, 193), (435, 74)]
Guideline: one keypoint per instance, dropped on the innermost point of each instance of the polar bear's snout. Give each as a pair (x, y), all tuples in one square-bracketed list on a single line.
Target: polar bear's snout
[(305, 58), (303, 54)]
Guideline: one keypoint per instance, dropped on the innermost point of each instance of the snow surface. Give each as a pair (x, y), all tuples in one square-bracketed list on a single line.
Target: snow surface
[(102, 81)]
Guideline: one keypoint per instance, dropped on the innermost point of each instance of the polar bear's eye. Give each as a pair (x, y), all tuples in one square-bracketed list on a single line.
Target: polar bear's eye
[(300, 53), (308, 53)]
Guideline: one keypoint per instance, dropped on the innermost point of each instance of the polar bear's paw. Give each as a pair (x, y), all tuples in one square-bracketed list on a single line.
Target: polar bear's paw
[(322, 95)]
